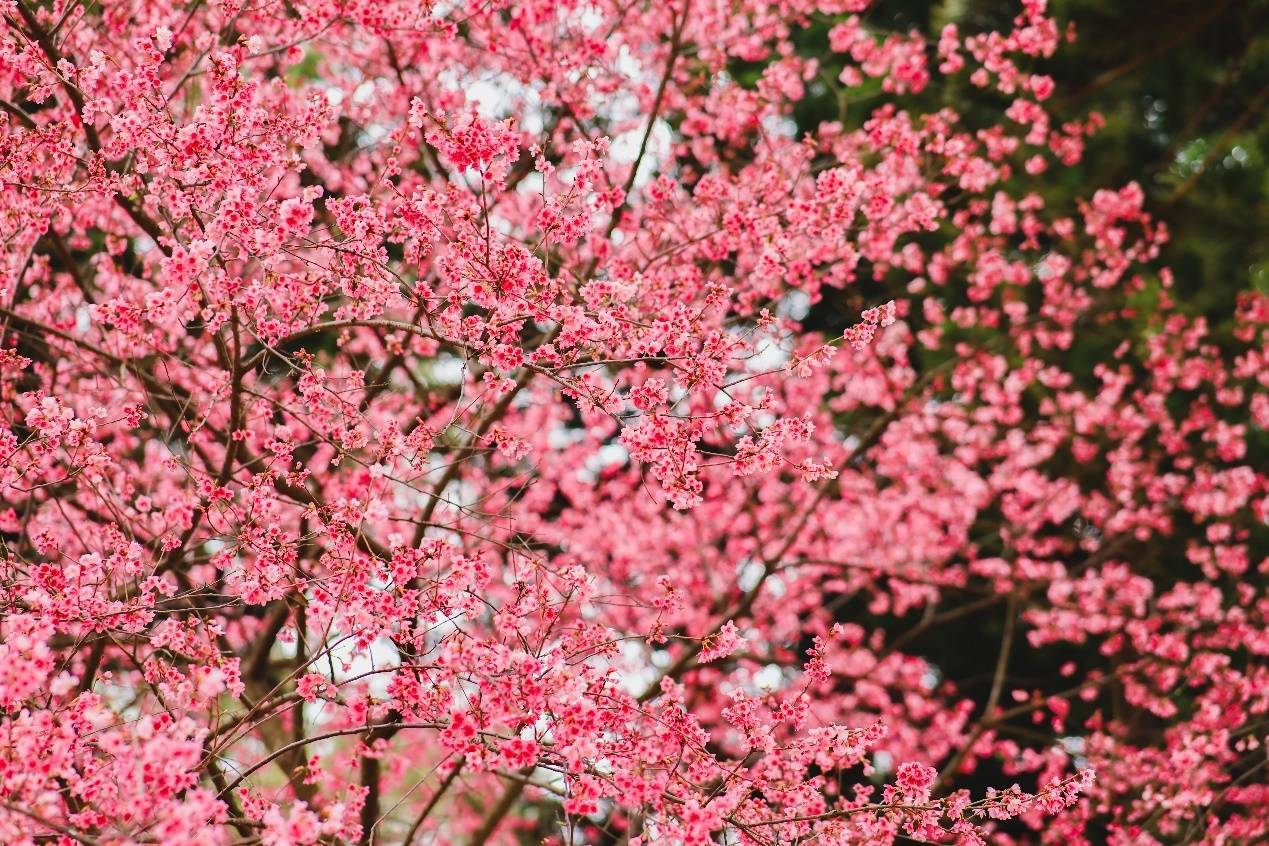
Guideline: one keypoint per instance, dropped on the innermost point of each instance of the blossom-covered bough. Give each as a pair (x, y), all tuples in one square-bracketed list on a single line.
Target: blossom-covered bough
[(439, 424)]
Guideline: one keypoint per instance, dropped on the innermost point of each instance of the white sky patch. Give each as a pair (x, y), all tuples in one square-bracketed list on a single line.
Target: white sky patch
[(748, 574), (443, 8), (561, 437), (634, 655), (625, 148), (533, 184), (767, 356), (1075, 747), (334, 95), (607, 455), (365, 92), (762, 419), (795, 305), (447, 369), (769, 677), (373, 134), (381, 654), (591, 17), (779, 125)]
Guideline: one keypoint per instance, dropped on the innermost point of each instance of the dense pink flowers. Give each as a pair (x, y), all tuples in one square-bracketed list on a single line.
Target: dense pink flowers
[(483, 422), (915, 779)]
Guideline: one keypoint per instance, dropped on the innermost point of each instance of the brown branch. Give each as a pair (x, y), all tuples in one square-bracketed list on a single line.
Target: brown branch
[(1218, 148), (473, 445), (257, 663), (433, 802), (49, 824), (41, 37), (92, 665), (1187, 30), (866, 442), (938, 619), (993, 699), (371, 780), (504, 805), (265, 761), (676, 49)]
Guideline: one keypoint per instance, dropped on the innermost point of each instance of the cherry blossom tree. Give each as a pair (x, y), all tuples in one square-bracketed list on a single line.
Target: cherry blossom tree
[(491, 421)]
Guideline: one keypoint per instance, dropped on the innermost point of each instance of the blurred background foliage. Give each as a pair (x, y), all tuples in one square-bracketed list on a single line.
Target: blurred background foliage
[(1184, 88)]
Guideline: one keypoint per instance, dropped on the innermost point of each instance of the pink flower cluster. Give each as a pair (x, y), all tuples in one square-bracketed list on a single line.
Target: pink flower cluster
[(450, 423)]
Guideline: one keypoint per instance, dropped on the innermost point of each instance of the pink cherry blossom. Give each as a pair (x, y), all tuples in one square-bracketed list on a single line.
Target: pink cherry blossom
[(483, 422)]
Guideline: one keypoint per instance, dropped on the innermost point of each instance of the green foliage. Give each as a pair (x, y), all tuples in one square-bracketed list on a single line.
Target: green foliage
[(1183, 87)]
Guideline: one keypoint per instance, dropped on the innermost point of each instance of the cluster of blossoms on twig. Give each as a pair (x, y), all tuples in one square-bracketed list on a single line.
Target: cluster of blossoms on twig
[(476, 422)]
